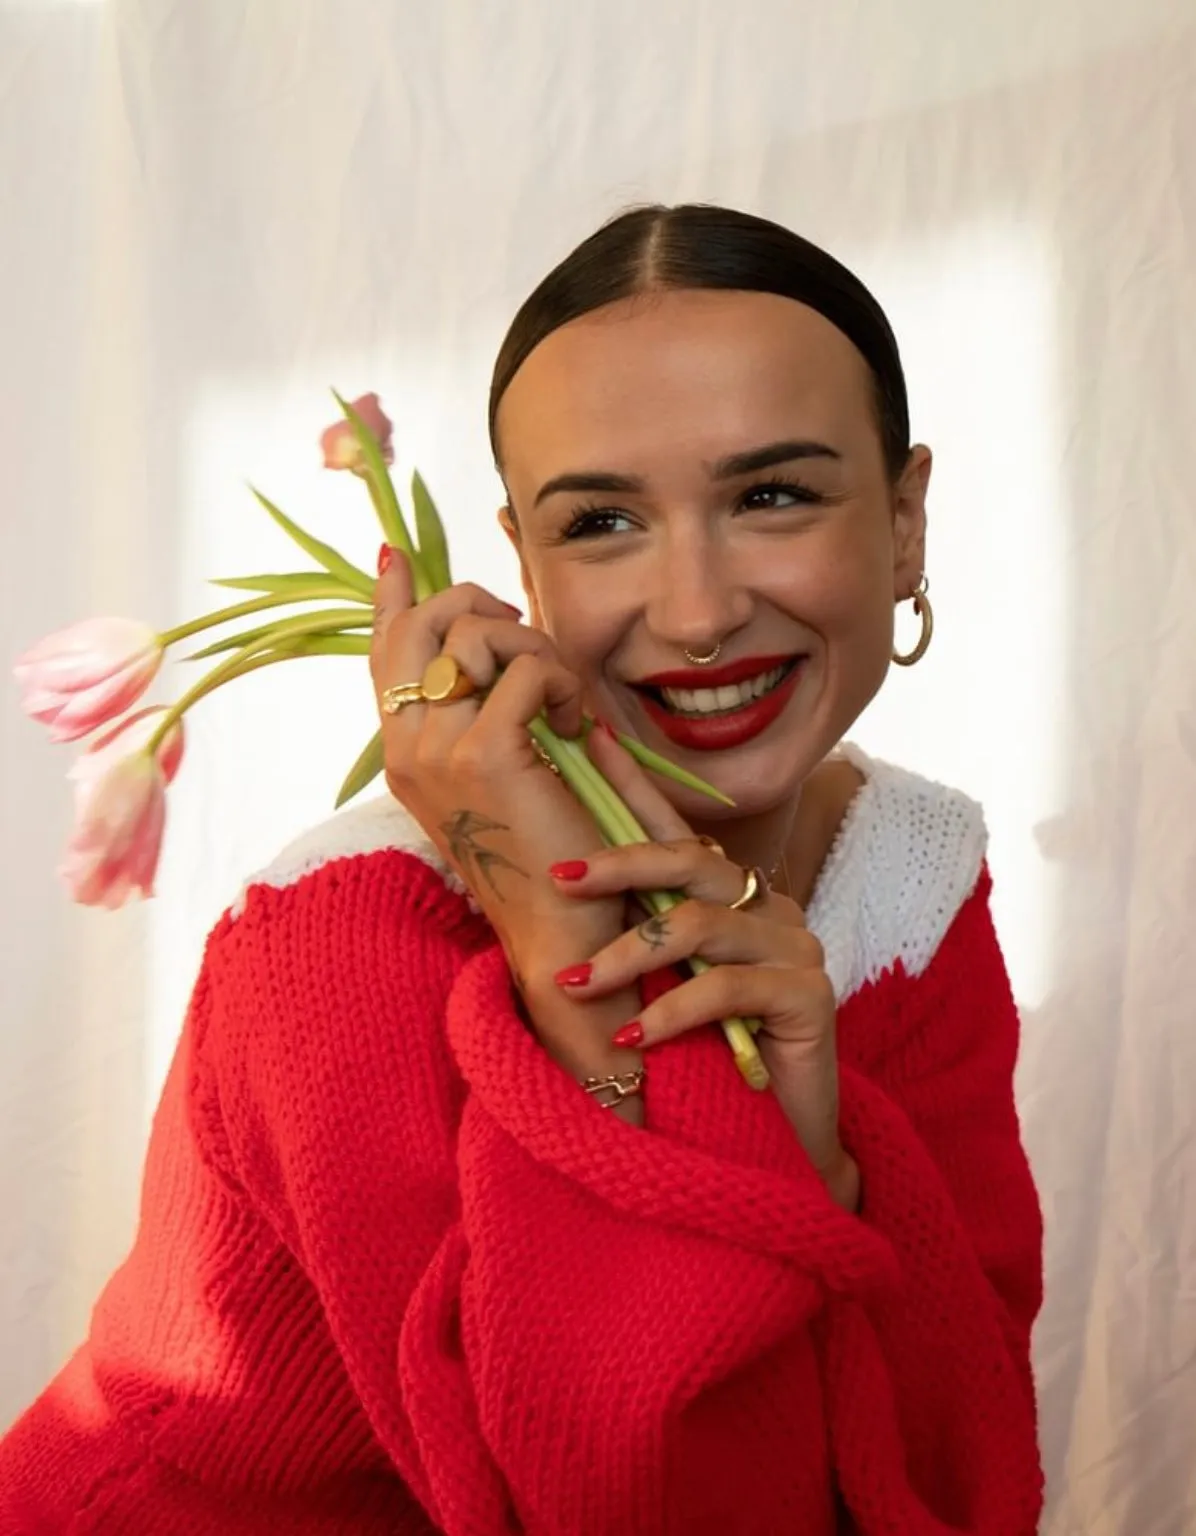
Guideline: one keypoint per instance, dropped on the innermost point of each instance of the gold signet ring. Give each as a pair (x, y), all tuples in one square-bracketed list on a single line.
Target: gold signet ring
[(446, 680)]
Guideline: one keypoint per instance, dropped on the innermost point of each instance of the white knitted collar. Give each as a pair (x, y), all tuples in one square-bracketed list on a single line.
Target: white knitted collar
[(905, 859)]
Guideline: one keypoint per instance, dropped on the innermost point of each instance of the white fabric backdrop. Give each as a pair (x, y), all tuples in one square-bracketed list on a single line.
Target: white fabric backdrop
[(208, 213)]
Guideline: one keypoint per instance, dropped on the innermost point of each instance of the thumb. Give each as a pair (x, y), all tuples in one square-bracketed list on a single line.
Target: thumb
[(395, 588), (393, 593)]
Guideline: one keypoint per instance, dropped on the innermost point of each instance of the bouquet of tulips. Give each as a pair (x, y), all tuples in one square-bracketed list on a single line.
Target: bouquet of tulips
[(82, 681)]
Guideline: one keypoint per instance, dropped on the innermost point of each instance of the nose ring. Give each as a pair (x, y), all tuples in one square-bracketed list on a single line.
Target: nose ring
[(704, 661)]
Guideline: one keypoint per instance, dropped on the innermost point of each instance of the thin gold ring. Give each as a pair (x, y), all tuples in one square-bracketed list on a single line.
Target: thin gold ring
[(397, 698), (755, 885), (444, 681)]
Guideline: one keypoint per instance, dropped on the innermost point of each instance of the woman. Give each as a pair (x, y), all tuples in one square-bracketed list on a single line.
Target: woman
[(458, 1216)]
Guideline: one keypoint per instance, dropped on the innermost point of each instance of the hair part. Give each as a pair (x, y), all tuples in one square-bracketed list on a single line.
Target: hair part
[(653, 249)]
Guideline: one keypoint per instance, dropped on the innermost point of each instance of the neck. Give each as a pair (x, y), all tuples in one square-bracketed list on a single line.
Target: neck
[(798, 835), (763, 841)]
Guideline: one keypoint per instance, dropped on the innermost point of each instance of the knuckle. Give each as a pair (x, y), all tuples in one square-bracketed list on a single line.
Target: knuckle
[(396, 783), (723, 987), (525, 667), (463, 629), (701, 919), (470, 756), (812, 950), (425, 755)]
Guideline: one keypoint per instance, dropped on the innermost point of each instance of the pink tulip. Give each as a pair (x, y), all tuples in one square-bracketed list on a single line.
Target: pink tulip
[(120, 812), (79, 678), (340, 447)]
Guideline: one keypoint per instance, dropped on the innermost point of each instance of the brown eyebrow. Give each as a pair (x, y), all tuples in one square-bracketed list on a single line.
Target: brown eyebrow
[(729, 468), (771, 454)]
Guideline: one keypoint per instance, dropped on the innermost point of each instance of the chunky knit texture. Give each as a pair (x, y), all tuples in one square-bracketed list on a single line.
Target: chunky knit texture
[(396, 1273)]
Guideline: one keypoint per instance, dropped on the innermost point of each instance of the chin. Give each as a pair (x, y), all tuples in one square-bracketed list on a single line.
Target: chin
[(761, 777)]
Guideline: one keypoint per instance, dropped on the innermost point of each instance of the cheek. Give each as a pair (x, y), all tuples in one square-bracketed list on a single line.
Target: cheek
[(585, 611), (838, 581)]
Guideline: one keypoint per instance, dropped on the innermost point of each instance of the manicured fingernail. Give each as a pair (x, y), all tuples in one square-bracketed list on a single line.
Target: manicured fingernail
[(608, 730), (511, 608), (574, 975), (629, 1036), (571, 869), (385, 556)]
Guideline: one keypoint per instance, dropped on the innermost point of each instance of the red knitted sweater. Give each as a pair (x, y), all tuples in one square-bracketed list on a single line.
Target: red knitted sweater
[(396, 1273)]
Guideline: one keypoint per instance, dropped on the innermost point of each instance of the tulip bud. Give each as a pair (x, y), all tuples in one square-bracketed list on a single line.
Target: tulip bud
[(81, 677)]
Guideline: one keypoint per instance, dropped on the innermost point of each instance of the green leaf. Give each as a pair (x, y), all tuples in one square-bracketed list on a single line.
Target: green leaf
[(657, 764), (367, 768), (232, 643), (335, 644), (429, 531), (322, 553), (295, 584), (661, 765), (321, 621)]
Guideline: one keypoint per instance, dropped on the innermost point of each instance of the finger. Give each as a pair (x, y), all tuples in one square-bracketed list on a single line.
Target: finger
[(393, 593), (529, 685), (490, 649), (795, 1006), (408, 637), (691, 930), (484, 646), (644, 799), (698, 868)]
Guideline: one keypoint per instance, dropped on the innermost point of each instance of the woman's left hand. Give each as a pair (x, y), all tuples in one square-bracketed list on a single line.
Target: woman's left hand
[(766, 965)]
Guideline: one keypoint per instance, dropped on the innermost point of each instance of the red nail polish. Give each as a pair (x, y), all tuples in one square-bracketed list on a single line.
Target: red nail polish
[(629, 1036), (385, 556), (574, 975), (511, 608), (607, 730), (571, 869)]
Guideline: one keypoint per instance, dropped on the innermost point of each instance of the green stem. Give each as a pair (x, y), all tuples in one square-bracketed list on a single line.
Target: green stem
[(385, 498), (171, 637), (237, 665)]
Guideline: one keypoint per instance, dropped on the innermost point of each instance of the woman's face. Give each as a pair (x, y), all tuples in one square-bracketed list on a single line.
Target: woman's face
[(696, 468)]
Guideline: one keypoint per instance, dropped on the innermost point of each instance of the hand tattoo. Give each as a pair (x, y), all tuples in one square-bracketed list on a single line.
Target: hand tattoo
[(655, 931), (461, 832)]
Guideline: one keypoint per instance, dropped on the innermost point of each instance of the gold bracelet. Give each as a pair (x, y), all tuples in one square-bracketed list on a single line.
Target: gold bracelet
[(612, 1090)]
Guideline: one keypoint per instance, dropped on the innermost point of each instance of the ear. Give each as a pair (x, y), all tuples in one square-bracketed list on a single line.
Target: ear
[(909, 523), (508, 524)]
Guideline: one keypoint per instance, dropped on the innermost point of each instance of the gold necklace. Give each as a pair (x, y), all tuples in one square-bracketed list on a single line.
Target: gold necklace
[(781, 866)]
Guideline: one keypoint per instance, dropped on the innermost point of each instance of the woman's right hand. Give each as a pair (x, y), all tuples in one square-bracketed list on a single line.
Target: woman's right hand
[(469, 773)]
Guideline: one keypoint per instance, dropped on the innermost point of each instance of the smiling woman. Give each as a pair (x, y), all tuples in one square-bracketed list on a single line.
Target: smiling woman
[(457, 1217)]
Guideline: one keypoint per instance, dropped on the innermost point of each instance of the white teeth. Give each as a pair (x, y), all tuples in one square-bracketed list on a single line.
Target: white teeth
[(711, 701)]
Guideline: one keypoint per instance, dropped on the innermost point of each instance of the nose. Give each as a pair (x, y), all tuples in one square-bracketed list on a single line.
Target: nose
[(698, 598)]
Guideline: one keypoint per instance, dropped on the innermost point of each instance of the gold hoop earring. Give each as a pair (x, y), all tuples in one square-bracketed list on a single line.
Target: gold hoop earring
[(925, 612)]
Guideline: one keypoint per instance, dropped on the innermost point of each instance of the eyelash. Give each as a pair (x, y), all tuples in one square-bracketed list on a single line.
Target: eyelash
[(585, 520)]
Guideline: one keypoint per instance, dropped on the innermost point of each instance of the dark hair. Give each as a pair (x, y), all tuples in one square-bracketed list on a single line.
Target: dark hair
[(652, 249)]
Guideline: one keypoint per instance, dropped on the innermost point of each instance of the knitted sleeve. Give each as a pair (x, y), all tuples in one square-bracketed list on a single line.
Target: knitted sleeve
[(930, 1393), (558, 1323)]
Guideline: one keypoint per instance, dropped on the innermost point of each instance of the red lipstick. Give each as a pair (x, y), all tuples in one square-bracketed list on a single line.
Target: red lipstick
[(721, 732), (715, 677)]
